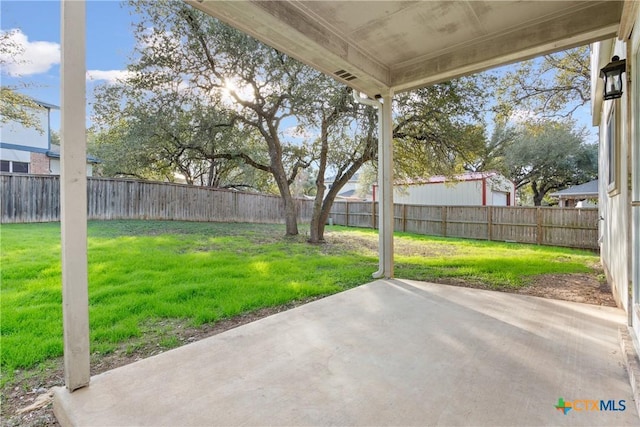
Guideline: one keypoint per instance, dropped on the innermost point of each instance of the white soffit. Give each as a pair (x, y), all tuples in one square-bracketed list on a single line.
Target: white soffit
[(374, 46)]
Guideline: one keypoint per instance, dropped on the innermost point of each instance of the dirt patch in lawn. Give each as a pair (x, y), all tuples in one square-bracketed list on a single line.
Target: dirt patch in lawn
[(585, 288), (29, 386)]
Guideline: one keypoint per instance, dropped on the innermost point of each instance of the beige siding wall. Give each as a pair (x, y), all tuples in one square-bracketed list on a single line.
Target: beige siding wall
[(614, 196), (635, 170), (55, 167), (467, 193)]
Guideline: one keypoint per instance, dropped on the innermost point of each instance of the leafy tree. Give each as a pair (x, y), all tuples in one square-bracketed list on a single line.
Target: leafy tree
[(163, 134), (347, 141), (438, 129), (14, 106), (367, 178), (555, 85), (491, 156), (550, 156), (435, 128), (55, 137), (256, 86), (19, 108)]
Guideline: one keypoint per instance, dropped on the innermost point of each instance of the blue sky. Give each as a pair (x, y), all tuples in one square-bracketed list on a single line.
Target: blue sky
[(110, 42)]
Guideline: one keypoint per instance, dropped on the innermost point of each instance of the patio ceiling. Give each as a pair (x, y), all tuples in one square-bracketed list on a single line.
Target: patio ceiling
[(378, 46)]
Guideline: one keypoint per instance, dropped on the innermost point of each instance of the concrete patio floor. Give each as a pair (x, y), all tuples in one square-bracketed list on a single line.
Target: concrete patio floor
[(392, 352)]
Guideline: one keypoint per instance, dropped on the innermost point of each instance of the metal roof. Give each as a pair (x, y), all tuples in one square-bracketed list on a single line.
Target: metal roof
[(378, 46)]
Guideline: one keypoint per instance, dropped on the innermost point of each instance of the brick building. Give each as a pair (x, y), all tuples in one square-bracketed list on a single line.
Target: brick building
[(29, 150)]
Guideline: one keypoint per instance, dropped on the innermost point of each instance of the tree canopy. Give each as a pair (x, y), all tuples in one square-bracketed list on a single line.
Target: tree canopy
[(540, 157), (552, 86), (208, 102), (215, 105)]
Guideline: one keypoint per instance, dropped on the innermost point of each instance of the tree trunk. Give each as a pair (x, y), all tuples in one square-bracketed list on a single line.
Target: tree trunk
[(290, 214), (322, 205), (290, 211), (323, 217), (316, 232), (537, 195)]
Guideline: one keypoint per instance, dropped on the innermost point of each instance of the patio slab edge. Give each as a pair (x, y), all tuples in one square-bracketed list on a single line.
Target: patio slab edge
[(631, 362)]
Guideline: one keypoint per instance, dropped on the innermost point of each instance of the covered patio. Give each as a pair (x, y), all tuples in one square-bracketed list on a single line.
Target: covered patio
[(390, 352)]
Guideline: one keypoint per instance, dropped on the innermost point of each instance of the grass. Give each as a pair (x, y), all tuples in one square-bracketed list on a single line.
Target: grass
[(141, 272), (495, 265)]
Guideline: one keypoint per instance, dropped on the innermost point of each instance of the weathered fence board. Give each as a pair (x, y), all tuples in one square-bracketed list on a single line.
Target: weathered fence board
[(570, 227), (36, 198)]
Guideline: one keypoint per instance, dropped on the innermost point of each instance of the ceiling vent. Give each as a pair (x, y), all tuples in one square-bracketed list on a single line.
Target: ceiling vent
[(345, 75)]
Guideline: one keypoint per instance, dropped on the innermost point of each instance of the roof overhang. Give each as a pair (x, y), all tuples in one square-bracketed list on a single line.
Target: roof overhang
[(377, 46)]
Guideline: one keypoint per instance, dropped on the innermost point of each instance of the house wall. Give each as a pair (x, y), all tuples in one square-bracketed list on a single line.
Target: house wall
[(15, 155), (27, 145), (613, 152), (620, 222), (15, 133), (503, 191), (55, 167), (467, 193), (352, 185), (492, 191), (39, 164), (634, 61)]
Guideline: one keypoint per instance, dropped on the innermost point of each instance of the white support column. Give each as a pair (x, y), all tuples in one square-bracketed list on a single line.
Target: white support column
[(73, 195), (385, 168)]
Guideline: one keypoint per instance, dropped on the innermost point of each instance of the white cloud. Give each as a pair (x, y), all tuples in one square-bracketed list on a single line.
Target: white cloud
[(110, 76), (21, 57)]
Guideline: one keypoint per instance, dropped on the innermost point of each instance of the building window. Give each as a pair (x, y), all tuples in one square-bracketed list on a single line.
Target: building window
[(20, 167), (15, 167), (613, 163)]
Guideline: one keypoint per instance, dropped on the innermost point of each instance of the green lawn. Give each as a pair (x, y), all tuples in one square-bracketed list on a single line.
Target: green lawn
[(142, 272)]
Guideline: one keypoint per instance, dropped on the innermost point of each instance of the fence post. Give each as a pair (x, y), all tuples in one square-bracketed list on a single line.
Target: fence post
[(404, 218), (539, 225), (373, 214), (444, 221), (346, 213), (489, 223)]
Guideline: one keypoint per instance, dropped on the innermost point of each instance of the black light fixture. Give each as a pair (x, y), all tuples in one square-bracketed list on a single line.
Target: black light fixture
[(612, 75)]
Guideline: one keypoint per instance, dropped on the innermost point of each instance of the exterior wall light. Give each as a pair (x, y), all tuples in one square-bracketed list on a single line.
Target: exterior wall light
[(612, 75)]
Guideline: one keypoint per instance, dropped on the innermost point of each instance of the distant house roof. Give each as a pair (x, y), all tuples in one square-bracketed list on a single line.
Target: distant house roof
[(588, 190), (40, 103), (354, 178), (45, 104), (54, 153), (349, 193)]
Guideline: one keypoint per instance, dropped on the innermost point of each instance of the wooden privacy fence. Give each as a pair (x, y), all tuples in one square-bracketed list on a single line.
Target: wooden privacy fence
[(36, 198), (570, 227)]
